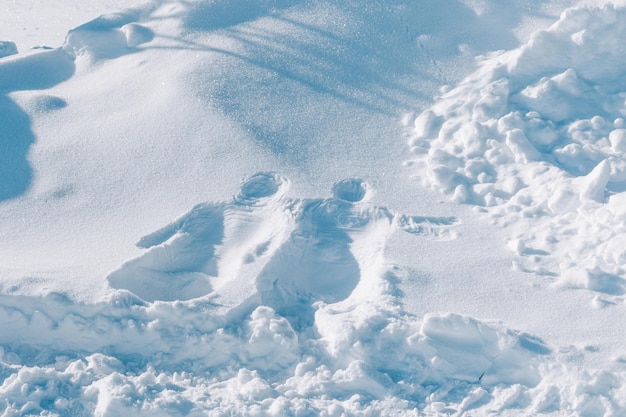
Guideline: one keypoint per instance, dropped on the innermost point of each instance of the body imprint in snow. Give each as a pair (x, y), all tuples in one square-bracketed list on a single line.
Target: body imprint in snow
[(188, 256), (330, 250)]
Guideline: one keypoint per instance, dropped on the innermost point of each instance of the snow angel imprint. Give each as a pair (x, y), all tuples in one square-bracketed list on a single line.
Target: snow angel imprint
[(330, 249), (205, 245)]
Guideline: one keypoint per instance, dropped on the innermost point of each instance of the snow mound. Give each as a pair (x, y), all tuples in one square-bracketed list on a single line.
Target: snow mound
[(108, 36), (536, 136), (125, 357), (36, 71)]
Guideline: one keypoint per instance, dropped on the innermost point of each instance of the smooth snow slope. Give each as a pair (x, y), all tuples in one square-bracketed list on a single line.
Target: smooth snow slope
[(304, 294)]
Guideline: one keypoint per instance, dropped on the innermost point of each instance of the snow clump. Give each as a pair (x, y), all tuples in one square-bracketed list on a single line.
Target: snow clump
[(536, 137)]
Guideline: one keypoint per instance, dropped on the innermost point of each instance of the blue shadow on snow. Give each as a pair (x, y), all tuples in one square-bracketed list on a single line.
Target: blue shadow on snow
[(367, 56), (31, 72)]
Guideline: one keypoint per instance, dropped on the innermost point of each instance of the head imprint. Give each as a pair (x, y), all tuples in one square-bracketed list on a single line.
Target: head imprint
[(352, 190), (262, 185)]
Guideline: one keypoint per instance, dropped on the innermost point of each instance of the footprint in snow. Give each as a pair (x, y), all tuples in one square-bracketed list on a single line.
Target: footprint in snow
[(336, 243), (214, 239)]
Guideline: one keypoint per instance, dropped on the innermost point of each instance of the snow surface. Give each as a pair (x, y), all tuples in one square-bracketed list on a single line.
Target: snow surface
[(210, 208)]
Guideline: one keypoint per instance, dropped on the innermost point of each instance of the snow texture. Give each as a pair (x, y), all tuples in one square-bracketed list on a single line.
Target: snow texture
[(537, 133), (283, 302)]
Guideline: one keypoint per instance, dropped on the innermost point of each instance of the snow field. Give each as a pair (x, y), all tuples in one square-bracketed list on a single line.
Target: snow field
[(271, 305)]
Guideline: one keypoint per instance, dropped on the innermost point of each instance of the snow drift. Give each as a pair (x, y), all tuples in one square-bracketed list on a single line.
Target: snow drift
[(537, 134)]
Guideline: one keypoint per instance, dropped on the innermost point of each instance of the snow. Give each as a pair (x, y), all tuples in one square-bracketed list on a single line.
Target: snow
[(538, 135), (300, 208), (208, 247)]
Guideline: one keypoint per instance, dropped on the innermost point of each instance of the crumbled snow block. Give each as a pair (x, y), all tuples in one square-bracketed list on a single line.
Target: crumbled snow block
[(7, 48), (427, 124), (470, 350), (361, 377), (618, 140), (521, 147), (517, 246), (461, 194), (615, 250), (563, 201), (596, 280), (458, 331), (272, 344), (594, 184), (617, 205)]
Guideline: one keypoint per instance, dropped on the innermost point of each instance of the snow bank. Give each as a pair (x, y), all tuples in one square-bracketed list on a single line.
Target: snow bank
[(536, 137), (360, 359)]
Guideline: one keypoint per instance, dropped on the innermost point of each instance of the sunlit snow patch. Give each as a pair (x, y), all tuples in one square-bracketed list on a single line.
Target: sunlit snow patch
[(537, 137)]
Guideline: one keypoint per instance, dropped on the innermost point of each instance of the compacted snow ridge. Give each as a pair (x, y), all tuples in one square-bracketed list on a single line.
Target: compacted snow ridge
[(204, 209)]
